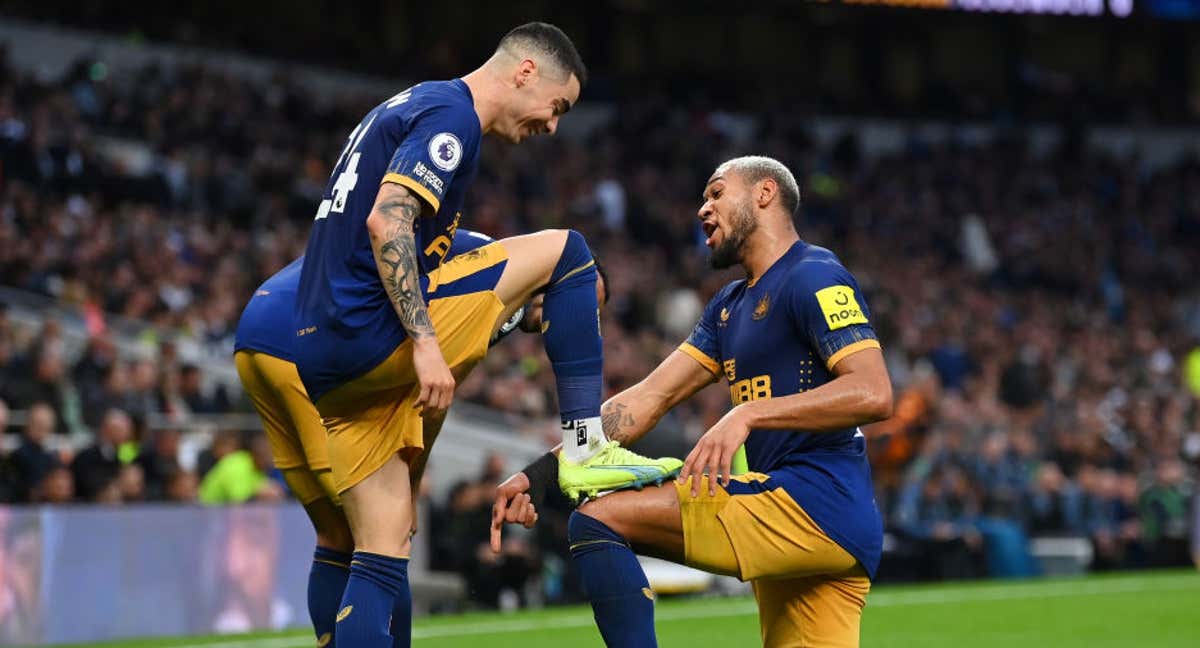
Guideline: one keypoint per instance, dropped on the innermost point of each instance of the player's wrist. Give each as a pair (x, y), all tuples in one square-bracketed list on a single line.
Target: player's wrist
[(426, 341), (749, 413), (540, 474)]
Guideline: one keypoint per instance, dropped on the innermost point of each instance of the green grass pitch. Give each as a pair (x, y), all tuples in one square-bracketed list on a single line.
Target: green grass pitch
[(1160, 609)]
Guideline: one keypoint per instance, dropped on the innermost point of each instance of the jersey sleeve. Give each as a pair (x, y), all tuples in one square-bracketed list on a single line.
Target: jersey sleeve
[(428, 157), (702, 345), (830, 311)]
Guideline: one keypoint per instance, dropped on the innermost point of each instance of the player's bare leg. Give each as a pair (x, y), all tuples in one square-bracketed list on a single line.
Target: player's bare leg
[(329, 521), (380, 510), (531, 260), (650, 520)]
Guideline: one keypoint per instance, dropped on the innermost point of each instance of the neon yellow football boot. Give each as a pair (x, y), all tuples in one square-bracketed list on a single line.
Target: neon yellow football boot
[(613, 468)]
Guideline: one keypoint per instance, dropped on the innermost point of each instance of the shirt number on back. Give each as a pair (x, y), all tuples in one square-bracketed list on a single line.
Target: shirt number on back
[(345, 184), (347, 180)]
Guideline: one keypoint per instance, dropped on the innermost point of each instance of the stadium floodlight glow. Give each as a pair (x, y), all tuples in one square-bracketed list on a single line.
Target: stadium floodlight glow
[(1117, 8), (1068, 7)]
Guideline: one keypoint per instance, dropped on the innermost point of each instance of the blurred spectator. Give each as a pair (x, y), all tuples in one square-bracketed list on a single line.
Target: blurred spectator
[(894, 442), (56, 487), (1055, 503), (940, 512), (96, 468), (224, 442), (91, 374), (241, 476), (159, 459), (145, 395), (33, 459), (1164, 515), (1103, 515), (181, 486), (45, 380), (131, 483), (1001, 476), (190, 390)]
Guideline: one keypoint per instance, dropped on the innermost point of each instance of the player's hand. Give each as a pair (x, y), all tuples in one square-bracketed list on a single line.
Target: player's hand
[(434, 377), (714, 452), (512, 505)]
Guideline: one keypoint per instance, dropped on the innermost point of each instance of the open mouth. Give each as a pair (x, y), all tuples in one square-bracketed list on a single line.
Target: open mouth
[(710, 229)]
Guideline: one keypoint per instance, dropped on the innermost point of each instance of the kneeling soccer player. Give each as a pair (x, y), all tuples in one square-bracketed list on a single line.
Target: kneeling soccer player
[(804, 367)]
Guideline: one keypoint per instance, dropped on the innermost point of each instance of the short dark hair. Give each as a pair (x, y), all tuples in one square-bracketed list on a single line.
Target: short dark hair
[(550, 41)]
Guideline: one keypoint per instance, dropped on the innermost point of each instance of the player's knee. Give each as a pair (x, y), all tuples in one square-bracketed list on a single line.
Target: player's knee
[(593, 509), (575, 260), (582, 528)]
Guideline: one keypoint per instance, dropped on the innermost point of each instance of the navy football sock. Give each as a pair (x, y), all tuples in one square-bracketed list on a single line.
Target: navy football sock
[(326, 584), (571, 334), (402, 618), (378, 585), (622, 601)]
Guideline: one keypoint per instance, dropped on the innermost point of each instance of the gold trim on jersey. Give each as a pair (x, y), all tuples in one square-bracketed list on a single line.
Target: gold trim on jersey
[(575, 271), (701, 357), (851, 349), (416, 186)]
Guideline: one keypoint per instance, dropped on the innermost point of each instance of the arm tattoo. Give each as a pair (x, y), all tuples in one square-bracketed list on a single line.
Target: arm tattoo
[(616, 422), (398, 265)]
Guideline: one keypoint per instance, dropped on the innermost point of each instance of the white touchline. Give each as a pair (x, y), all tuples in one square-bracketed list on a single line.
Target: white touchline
[(1058, 589)]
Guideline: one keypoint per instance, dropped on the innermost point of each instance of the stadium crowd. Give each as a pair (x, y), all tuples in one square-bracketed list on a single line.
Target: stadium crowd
[(1039, 313)]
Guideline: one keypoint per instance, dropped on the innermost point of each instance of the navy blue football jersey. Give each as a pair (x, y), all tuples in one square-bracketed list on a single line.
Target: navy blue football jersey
[(782, 335), (266, 323), (427, 139)]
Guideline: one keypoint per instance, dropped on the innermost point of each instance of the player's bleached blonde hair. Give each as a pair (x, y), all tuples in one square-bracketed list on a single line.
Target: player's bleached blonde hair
[(753, 168)]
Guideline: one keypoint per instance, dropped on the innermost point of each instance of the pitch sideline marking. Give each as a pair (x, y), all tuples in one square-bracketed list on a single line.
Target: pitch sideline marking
[(881, 599)]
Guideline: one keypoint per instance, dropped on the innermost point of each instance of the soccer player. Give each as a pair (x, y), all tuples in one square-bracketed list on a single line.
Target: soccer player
[(795, 342), (383, 318), (263, 356)]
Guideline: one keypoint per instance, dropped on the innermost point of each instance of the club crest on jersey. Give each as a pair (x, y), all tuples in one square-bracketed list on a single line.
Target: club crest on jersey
[(724, 314), (760, 311), (446, 151)]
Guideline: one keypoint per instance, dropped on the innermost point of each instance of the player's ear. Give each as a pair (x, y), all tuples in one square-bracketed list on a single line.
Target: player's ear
[(767, 188), (527, 71)]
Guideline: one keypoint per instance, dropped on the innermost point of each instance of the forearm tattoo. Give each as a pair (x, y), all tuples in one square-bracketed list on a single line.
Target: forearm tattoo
[(398, 265)]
